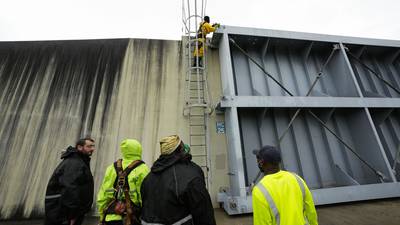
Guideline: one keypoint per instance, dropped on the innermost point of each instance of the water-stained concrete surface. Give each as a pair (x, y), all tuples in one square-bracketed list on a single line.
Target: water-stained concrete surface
[(383, 212), (53, 92)]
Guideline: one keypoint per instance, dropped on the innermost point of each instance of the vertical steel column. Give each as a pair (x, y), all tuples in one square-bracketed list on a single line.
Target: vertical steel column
[(235, 157)]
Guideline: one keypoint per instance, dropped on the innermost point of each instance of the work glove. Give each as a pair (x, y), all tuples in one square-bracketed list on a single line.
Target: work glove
[(216, 25)]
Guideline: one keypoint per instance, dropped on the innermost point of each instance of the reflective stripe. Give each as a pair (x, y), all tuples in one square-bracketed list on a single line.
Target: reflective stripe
[(179, 222), (300, 184), (271, 202), (303, 191), (52, 196)]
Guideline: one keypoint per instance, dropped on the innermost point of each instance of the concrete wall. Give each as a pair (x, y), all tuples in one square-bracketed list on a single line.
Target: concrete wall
[(52, 93)]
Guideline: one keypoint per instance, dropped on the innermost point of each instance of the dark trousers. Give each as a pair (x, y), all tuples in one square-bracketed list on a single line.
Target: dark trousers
[(200, 58), (115, 222), (79, 221)]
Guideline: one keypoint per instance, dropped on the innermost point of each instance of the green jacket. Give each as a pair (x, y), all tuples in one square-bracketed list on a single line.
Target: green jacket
[(131, 150)]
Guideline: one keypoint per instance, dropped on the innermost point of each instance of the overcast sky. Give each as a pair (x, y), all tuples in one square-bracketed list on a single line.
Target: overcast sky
[(162, 19)]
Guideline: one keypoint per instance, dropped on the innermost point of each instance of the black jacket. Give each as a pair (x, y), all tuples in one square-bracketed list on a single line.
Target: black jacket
[(69, 192), (174, 189)]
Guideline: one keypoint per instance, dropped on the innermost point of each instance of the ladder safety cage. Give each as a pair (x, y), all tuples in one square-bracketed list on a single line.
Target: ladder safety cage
[(197, 106)]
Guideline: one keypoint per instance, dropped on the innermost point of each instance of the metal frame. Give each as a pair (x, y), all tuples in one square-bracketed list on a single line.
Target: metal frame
[(343, 101)]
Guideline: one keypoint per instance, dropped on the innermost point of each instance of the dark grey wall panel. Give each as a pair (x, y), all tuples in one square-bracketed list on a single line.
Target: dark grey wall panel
[(295, 65), (311, 151), (384, 61), (387, 123)]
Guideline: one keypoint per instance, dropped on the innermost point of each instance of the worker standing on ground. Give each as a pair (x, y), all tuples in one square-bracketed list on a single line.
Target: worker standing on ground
[(281, 197), (175, 192), (69, 193), (119, 195), (204, 29)]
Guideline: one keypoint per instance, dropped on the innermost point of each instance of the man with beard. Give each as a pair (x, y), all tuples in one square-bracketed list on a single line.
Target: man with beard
[(69, 193)]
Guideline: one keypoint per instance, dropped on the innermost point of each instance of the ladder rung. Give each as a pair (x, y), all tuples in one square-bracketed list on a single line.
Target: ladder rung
[(197, 68), (199, 155), (196, 115), (198, 105), (196, 145), (197, 125), (197, 135), (197, 81)]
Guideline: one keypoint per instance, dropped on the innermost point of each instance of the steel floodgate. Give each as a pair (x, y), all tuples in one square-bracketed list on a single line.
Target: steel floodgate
[(330, 103)]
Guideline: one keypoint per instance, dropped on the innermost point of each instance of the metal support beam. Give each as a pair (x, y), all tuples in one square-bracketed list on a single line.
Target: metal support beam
[(307, 102)]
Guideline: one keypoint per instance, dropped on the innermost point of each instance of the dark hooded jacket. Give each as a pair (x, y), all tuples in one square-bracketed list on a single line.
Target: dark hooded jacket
[(174, 191), (69, 192)]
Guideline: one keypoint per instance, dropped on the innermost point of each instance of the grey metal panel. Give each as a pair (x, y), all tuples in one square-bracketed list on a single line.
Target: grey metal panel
[(385, 61), (388, 129), (305, 36), (351, 102), (355, 193), (308, 102), (304, 150), (286, 61)]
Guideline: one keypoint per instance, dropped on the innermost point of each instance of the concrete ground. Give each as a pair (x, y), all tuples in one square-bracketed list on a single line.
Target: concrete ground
[(361, 213)]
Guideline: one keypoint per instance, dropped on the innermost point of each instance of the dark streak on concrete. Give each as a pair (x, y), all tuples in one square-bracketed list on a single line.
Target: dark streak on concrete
[(79, 72)]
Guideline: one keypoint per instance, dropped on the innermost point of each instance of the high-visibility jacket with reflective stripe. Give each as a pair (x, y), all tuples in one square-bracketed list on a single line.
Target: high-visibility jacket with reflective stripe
[(291, 208), (131, 150)]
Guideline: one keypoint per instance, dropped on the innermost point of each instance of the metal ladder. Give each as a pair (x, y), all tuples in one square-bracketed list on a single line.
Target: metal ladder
[(196, 93)]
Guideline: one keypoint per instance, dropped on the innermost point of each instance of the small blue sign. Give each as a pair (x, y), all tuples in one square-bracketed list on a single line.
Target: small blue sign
[(220, 127)]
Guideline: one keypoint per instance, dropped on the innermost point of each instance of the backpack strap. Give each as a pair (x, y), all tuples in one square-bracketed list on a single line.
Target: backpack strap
[(132, 166), (122, 179), (118, 170), (124, 173), (130, 214)]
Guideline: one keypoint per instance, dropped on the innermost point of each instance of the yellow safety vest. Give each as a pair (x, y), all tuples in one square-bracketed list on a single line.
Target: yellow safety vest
[(283, 198)]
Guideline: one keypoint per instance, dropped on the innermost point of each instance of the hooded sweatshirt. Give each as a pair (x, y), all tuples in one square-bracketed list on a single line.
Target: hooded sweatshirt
[(131, 150), (175, 192)]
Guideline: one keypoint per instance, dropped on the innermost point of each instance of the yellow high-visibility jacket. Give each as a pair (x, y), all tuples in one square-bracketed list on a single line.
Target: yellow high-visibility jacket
[(287, 195), (131, 150), (205, 28)]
